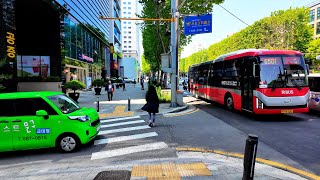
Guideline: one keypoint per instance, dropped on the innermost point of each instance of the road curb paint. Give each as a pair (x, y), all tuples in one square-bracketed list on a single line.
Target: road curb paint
[(260, 160)]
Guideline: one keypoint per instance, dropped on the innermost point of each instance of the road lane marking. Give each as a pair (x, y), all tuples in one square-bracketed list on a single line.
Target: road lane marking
[(124, 138), (181, 113), (119, 119), (128, 150), (123, 123), (123, 130), (260, 160)]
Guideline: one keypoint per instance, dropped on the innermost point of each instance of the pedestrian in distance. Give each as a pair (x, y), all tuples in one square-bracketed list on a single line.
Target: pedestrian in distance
[(123, 85), (110, 90), (142, 83), (152, 105), (134, 82)]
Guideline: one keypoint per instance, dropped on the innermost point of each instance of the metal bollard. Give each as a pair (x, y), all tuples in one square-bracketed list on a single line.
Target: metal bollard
[(98, 104), (250, 157), (129, 104)]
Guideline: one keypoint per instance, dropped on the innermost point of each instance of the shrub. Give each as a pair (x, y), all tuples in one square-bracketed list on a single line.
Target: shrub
[(98, 83), (164, 97), (75, 85)]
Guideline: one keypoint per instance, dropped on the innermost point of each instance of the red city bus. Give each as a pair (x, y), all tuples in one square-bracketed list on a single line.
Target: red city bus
[(254, 80)]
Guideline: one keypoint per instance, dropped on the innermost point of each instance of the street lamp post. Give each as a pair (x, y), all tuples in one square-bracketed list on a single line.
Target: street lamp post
[(174, 51)]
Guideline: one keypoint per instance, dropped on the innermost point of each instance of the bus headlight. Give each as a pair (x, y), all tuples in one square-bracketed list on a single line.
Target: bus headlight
[(259, 103)]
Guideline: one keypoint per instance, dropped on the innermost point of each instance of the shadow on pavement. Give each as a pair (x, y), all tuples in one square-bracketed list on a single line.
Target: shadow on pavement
[(220, 111)]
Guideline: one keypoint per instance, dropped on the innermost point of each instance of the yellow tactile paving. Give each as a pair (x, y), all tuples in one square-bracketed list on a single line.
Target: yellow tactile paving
[(118, 111), (170, 171)]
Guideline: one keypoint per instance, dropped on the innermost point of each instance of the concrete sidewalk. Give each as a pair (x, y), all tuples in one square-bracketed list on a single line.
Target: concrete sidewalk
[(118, 107)]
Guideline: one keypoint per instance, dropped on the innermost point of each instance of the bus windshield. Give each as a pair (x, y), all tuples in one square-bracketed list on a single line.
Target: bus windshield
[(282, 71)]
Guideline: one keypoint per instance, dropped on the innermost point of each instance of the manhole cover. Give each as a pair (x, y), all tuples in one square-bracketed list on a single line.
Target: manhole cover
[(113, 175)]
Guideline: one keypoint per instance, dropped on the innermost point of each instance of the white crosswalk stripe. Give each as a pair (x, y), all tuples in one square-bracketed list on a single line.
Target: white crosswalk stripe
[(140, 147), (123, 130), (119, 119), (124, 138), (128, 150), (123, 123)]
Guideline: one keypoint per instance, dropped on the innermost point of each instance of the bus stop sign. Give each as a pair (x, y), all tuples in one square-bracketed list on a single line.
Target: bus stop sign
[(197, 24)]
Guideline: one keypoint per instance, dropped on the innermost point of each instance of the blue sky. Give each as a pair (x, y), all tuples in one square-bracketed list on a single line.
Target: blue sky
[(225, 24)]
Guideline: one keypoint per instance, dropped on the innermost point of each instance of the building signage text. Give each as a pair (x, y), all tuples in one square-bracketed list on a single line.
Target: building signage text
[(11, 51)]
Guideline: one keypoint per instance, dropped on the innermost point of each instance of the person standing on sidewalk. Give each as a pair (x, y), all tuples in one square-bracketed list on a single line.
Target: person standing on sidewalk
[(152, 106), (142, 83), (110, 89)]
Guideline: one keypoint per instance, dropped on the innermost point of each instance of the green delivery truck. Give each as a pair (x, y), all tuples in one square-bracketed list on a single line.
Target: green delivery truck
[(33, 120)]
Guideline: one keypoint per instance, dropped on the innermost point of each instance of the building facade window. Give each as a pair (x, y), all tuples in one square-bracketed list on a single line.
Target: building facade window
[(129, 22), (129, 2), (124, 2), (318, 13), (129, 7), (318, 28), (312, 12)]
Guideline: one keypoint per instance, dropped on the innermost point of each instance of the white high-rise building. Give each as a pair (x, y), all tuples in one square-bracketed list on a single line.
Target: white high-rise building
[(130, 39)]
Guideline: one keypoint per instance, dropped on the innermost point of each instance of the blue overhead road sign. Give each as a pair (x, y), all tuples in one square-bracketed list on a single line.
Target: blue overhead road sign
[(198, 24)]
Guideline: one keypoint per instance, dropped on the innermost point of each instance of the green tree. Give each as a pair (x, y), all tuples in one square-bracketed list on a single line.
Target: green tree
[(282, 30), (313, 51), (145, 66), (156, 35)]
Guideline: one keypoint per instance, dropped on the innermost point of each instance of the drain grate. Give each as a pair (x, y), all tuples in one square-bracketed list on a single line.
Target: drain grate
[(113, 175)]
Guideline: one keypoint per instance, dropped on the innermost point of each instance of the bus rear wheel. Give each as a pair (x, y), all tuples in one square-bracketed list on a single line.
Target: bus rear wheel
[(228, 101)]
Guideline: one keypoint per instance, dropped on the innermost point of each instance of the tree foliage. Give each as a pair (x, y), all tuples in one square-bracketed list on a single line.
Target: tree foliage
[(313, 51), (145, 66), (282, 30), (156, 35)]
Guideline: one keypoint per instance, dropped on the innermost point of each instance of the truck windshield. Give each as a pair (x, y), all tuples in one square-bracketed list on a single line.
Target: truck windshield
[(282, 71), (64, 103)]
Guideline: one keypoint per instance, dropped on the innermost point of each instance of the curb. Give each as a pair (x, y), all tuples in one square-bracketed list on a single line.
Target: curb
[(179, 109), (260, 160)]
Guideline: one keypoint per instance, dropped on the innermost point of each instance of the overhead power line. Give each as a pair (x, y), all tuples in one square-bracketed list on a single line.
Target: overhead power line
[(234, 15)]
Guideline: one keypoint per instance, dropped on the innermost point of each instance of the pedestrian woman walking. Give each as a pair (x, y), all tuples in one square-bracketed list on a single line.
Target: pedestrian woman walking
[(152, 106)]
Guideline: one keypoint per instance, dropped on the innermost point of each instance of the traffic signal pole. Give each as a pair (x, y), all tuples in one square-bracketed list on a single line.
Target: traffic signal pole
[(174, 51)]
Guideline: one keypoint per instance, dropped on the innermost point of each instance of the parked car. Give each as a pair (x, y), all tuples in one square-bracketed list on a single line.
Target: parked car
[(128, 80), (33, 120), (314, 84)]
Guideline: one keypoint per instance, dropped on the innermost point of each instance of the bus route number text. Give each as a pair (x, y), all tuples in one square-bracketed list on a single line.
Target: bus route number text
[(270, 61)]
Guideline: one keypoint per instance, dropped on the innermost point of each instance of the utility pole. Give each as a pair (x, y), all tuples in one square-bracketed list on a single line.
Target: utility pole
[(174, 51)]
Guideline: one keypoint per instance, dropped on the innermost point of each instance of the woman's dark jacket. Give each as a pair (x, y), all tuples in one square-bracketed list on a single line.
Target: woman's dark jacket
[(152, 103)]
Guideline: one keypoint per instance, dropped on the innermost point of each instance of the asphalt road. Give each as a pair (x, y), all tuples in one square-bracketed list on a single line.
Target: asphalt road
[(295, 136)]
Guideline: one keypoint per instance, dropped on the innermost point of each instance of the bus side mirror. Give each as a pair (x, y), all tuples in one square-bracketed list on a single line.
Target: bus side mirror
[(308, 68)]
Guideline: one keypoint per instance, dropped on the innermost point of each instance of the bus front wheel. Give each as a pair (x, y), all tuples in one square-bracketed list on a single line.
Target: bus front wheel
[(228, 101)]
